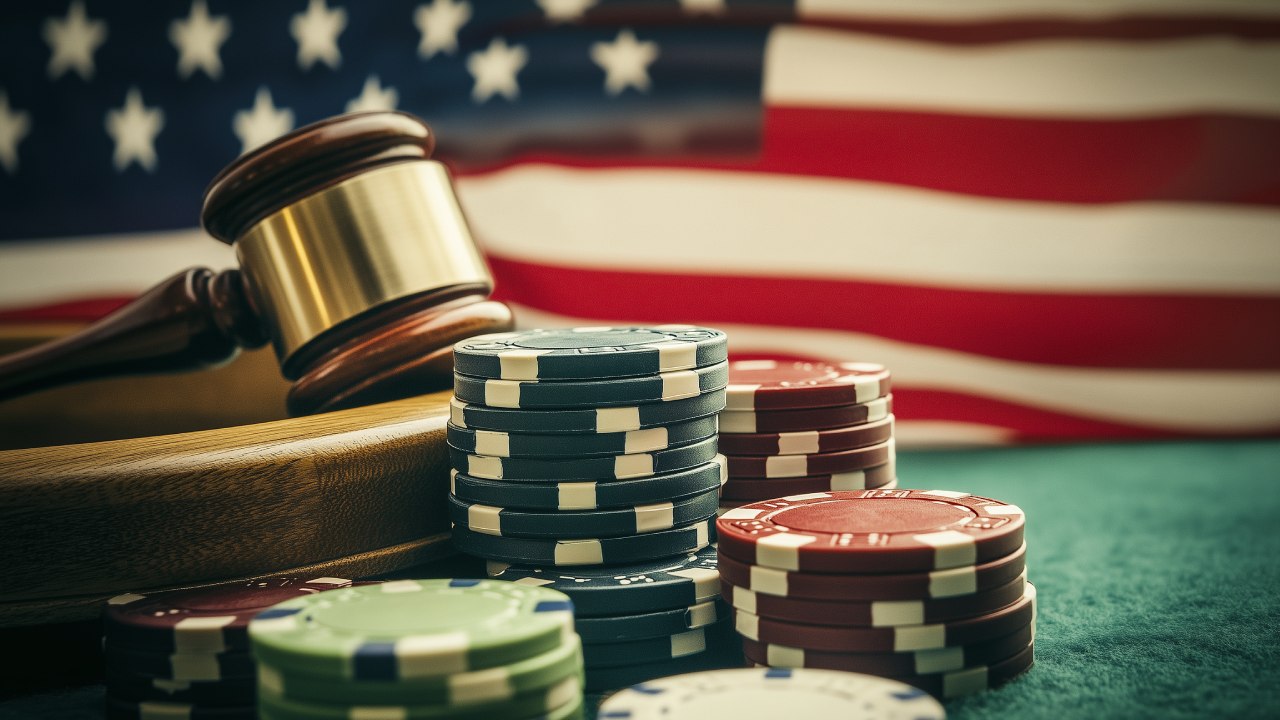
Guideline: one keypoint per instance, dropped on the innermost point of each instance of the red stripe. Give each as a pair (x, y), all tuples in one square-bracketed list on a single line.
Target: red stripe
[(1200, 158), (1121, 331), (81, 310)]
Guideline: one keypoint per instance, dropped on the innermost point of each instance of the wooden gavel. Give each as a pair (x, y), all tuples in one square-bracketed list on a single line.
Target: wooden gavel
[(356, 263)]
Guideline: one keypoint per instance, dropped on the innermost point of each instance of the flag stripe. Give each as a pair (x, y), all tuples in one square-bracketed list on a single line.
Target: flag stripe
[(937, 11), (1058, 78), (683, 220), (1123, 331)]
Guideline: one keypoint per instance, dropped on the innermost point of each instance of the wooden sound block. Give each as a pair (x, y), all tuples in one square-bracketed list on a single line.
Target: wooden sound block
[(347, 493)]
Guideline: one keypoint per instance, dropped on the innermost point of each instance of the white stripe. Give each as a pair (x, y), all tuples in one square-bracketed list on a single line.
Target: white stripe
[(847, 229), (1177, 400), (950, 10), (1062, 78)]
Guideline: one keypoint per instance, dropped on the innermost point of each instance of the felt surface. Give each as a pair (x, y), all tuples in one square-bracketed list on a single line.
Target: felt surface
[(1157, 572)]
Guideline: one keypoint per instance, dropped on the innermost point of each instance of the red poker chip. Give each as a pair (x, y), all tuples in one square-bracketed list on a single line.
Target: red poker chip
[(771, 385), (783, 466), (920, 662), (206, 620), (952, 582), (824, 418), (871, 531), (756, 489), (906, 638), (975, 679), (873, 613), (807, 442)]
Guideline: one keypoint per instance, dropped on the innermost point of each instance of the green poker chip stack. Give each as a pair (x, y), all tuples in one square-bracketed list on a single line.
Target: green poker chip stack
[(461, 649)]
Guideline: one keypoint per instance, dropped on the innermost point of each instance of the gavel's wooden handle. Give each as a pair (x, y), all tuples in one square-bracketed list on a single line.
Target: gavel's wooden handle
[(193, 319)]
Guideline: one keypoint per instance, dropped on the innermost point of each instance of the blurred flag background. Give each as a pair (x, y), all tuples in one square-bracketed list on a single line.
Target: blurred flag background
[(1053, 219)]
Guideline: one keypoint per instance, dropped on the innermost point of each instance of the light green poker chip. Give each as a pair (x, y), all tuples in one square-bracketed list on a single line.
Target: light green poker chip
[(486, 686), (561, 697), (411, 629)]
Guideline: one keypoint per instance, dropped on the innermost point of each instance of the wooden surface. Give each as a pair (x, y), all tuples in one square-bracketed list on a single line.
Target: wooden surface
[(84, 521)]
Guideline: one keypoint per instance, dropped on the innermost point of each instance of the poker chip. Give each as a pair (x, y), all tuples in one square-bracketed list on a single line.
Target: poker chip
[(974, 679), (771, 692), (920, 662), (904, 638), (486, 686), (655, 649), (782, 466), (805, 420), (584, 353), (504, 522), (874, 613), (757, 489), (117, 709), (591, 495), (533, 704), (663, 387), (209, 620), (589, 551), (678, 582), (525, 445), (186, 667), (952, 582), (604, 679), (585, 420), (809, 442), (871, 531), (228, 692), (771, 385), (411, 628), (621, 628), (620, 467)]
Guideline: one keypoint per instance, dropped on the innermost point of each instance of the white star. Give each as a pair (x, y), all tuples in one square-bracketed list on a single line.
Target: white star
[(198, 38), (316, 31), (702, 6), (494, 70), (374, 97), (439, 24), (625, 62), (134, 128), (565, 10), (263, 123), (14, 126), (73, 41)]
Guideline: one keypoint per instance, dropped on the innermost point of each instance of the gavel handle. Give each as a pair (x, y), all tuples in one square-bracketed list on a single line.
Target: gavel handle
[(194, 319)]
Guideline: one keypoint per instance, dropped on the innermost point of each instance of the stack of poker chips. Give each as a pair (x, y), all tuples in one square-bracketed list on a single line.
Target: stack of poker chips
[(799, 427), (461, 649), (927, 587), (591, 454), (186, 653)]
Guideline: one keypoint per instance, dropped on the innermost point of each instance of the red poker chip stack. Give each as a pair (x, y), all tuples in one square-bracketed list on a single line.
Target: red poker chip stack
[(185, 653), (924, 586), (800, 427)]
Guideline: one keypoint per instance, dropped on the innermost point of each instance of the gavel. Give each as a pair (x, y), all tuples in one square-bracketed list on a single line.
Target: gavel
[(355, 261)]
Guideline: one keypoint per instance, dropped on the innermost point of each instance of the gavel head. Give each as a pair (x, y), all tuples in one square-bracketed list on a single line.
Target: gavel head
[(355, 258)]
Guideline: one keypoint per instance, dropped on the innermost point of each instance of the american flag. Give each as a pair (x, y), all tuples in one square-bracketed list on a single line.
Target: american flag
[(1053, 219)]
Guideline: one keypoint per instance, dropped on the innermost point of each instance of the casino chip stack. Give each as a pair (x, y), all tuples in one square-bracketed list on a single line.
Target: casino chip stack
[(186, 653), (586, 460), (459, 649), (800, 427), (927, 587)]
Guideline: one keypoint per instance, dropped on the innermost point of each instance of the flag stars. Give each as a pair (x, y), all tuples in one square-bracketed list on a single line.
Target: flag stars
[(495, 69), (439, 24), (316, 31), (374, 97), (134, 128), (198, 39), (14, 126), (262, 123), (625, 62), (74, 39), (558, 11)]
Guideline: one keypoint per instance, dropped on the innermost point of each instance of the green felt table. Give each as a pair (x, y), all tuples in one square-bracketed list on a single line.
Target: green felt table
[(1156, 565)]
